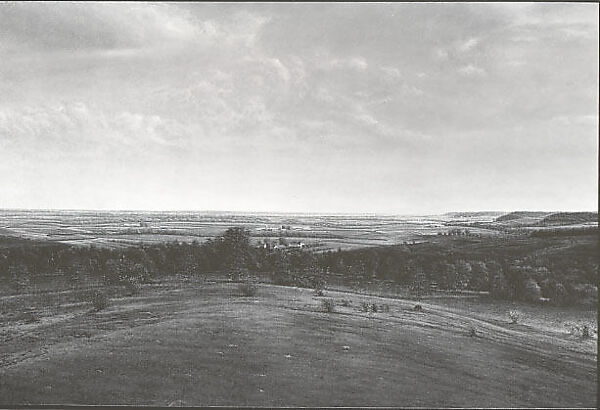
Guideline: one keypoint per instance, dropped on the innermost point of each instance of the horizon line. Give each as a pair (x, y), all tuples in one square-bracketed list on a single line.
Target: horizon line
[(358, 213)]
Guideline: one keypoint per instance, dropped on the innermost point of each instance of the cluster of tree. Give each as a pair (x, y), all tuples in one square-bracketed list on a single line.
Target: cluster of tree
[(582, 230), (231, 252), (511, 271), (456, 232), (565, 275)]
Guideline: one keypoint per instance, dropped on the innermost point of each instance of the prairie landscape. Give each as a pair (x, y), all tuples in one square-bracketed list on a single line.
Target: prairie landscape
[(125, 228), (299, 204), (304, 334), (320, 232)]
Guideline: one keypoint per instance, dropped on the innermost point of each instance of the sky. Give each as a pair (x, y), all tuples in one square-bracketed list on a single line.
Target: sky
[(413, 108)]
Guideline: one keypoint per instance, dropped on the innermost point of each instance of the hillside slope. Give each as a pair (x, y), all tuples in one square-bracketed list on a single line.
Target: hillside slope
[(201, 344), (521, 215), (569, 218)]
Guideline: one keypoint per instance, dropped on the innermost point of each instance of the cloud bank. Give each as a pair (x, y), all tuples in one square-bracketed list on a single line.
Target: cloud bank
[(395, 108)]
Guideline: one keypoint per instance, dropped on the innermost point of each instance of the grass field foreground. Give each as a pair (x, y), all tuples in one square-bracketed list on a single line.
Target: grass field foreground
[(204, 344)]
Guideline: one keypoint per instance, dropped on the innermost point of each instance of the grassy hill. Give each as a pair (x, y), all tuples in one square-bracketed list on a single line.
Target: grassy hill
[(569, 218), (535, 218), (521, 215), (202, 343)]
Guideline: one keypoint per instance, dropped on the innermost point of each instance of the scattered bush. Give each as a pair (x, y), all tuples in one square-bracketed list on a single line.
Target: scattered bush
[(132, 286), (514, 316), (582, 330), (29, 317), (317, 282), (373, 307), (248, 289), (99, 300), (585, 332), (532, 291), (328, 305)]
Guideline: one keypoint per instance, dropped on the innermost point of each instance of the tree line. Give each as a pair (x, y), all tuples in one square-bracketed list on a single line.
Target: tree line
[(564, 276)]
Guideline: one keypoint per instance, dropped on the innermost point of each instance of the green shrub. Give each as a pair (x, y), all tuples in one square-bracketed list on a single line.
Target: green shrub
[(585, 332), (132, 286), (317, 282), (247, 289), (99, 300), (29, 317), (328, 305), (582, 330)]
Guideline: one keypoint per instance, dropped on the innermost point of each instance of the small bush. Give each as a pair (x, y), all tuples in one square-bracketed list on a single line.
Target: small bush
[(346, 303), (317, 282), (514, 316), (472, 332), (29, 317), (374, 308), (132, 286), (582, 330), (364, 307), (99, 300), (418, 308), (328, 305), (248, 289), (585, 332)]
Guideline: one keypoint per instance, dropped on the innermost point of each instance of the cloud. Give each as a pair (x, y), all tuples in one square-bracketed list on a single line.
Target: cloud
[(76, 26), (110, 27), (582, 32), (471, 71), (353, 63), (546, 15), (205, 86), (469, 44), (441, 54), (391, 72), (75, 129), (575, 120)]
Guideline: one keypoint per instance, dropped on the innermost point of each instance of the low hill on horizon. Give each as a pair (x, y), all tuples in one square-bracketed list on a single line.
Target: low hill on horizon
[(544, 218), (569, 218), (511, 216)]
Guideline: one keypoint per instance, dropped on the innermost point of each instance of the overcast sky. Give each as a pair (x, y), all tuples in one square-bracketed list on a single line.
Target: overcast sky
[(372, 107)]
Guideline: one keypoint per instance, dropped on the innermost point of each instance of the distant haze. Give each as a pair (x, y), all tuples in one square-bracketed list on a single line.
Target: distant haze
[(410, 108)]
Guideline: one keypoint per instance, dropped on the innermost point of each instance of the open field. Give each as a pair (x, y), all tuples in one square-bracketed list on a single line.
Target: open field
[(320, 232), (199, 342)]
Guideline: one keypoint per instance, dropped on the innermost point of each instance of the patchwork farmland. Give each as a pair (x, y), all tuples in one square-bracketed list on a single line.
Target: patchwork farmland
[(320, 232)]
